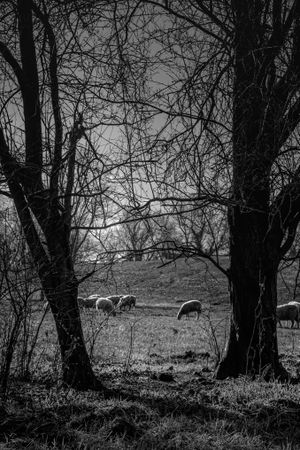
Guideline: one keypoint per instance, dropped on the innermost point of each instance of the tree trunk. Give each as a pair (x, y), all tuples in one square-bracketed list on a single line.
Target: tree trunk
[(61, 289), (76, 367), (254, 239), (252, 344)]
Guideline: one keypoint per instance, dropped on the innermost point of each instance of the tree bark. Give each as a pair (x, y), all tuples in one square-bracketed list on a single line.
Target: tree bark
[(76, 367), (61, 289), (252, 345), (255, 235)]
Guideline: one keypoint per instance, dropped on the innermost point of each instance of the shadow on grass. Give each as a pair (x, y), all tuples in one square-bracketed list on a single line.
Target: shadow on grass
[(140, 413)]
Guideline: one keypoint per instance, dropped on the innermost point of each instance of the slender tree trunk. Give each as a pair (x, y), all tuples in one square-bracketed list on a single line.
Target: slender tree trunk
[(61, 289), (76, 367)]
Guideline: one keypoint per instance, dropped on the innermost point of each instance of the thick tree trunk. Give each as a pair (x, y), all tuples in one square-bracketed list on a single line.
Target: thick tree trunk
[(252, 344), (254, 238)]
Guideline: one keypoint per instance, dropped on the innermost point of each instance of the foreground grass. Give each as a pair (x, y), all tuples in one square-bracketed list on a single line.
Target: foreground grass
[(162, 395), (146, 413)]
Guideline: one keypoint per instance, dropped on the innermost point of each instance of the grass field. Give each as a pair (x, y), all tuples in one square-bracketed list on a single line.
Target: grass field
[(160, 371)]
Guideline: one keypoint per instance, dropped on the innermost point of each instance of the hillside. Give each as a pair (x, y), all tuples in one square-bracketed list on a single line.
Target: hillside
[(153, 282)]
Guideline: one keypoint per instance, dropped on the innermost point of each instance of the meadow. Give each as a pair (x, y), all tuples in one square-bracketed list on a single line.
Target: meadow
[(159, 372)]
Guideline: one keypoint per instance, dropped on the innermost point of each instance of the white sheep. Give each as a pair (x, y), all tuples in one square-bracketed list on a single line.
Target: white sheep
[(105, 305), (115, 299), (289, 311), (127, 301), (188, 307)]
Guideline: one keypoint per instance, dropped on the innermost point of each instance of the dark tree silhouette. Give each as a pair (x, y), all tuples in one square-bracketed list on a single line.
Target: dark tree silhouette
[(223, 100), (34, 179)]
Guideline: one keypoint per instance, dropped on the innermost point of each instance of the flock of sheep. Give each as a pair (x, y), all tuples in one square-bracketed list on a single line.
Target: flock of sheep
[(109, 305)]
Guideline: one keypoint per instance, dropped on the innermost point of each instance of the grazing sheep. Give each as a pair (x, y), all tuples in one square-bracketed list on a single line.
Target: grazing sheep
[(188, 307), (90, 302), (115, 299), (80, 300), (298, 306), (288, 311), (127, 301), (105, 305)]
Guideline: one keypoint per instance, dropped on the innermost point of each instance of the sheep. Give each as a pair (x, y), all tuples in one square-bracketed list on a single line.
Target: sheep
[(105, 305), (293, 302), (80, 301), (115, 299), (127, 300), (90, 301), (188, 307), (289, 311)]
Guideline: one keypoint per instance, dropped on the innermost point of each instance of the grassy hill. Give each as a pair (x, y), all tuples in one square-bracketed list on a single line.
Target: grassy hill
[(154, 282), (172, 282)]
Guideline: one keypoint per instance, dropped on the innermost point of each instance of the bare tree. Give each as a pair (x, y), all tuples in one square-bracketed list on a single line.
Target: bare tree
[(204, 232), (133, 238), (223, 104), (166, 239), (39, 162)]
